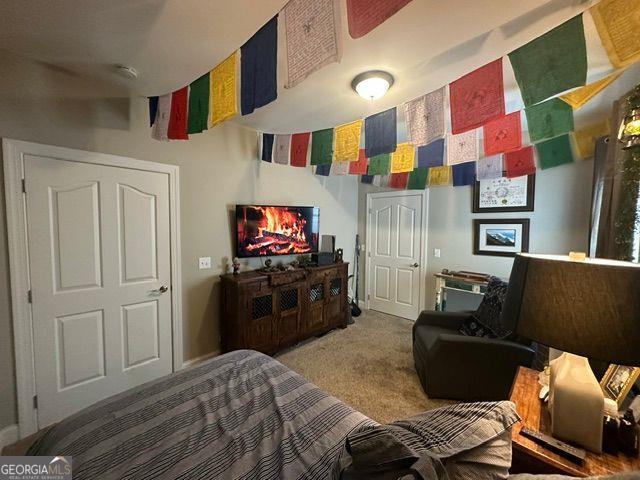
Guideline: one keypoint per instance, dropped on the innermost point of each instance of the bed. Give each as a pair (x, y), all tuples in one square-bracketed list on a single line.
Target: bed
[(242, 415)]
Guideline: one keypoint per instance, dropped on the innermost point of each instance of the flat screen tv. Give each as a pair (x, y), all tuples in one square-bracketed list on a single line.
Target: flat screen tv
[(266, 230)]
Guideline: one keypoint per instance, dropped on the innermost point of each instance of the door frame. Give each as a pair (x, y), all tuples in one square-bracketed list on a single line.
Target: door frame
[(20, 283), (424, 194)]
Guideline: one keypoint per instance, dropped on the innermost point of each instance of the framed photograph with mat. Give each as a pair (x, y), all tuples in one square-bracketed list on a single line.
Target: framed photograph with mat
[(504, 194), (500, 237), (617, 382)]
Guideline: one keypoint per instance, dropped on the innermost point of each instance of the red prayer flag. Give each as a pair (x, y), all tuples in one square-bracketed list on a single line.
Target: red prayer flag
[(477, 98), (365, 15), (299, 148), (178, 119), (502, 135), (398, 180), (359, 167), (520, 162)]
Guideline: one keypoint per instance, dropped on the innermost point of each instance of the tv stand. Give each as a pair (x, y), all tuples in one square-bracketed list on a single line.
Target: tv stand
[(269, 311)]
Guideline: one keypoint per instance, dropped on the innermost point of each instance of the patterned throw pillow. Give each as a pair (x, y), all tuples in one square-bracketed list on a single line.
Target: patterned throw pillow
[(486, 321)]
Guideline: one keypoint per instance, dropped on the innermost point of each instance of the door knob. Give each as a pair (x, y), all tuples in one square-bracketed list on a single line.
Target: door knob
[(415, 265), (161, 290)]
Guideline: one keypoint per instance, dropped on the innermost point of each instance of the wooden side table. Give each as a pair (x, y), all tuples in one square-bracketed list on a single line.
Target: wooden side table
[(531, 457), (450, 282)]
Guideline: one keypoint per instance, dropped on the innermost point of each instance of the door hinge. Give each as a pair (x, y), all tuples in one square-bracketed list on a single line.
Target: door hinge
[(35, 402), (368, 296), (24, 186), (30, 296)]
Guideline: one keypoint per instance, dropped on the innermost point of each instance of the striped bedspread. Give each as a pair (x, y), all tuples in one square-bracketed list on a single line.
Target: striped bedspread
[(242, 415)]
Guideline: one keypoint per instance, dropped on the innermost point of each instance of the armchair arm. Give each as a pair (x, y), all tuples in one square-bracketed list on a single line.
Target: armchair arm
[(452, 320), (476, 368)]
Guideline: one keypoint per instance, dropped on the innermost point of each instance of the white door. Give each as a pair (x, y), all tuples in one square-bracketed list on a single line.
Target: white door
[(99, 259), (395, 253)]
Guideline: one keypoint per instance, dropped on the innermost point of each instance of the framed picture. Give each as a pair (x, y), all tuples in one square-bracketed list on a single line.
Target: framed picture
[(504, 195), (500, 237), (618, 380)]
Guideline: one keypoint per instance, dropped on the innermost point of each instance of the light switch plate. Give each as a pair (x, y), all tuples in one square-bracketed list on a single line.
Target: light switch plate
[(204, 263), (436, 252)]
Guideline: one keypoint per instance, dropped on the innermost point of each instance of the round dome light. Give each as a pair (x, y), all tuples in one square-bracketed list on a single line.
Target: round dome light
[(373, 84)]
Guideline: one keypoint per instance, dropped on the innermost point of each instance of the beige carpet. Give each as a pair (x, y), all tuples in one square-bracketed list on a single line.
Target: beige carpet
[(369, 366)]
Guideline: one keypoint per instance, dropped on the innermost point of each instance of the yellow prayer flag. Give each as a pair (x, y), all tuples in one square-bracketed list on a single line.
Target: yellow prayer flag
[(440, 176), (403, 158), (585, 138), (347, 146), (223, 104), (582, 95), (618, 23)]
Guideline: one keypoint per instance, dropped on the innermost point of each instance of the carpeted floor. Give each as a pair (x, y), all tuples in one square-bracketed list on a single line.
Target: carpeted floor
[(369, 366)]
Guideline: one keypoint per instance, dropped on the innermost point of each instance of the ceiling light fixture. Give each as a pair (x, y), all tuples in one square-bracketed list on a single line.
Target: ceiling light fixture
[(127, 72), (373, 84)]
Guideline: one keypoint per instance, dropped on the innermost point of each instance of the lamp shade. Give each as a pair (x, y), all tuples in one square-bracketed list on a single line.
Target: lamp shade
[(589, 308)]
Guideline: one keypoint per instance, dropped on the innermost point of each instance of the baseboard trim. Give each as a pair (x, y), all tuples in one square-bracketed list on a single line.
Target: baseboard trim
[(201, 358), (8, 435)]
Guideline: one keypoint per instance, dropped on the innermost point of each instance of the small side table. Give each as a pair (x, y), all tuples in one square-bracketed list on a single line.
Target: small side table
[(450, 282), (531, 457)]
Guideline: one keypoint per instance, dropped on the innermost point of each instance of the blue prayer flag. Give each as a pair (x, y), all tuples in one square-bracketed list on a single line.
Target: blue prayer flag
[(258, 62), (432, 154), (464, 174), (380, 134)]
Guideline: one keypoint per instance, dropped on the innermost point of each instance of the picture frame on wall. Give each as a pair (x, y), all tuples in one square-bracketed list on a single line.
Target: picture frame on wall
[(500, 237), (617, 382), (504, 194)]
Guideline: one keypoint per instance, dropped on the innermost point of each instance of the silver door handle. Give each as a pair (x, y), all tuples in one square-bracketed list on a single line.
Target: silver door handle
[(415, 265), (161, 290)]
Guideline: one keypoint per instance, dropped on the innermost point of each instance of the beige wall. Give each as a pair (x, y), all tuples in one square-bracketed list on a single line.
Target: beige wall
[(218, 169), (559, 224)]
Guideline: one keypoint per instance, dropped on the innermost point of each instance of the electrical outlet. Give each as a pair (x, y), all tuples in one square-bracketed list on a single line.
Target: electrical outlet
[(436, 252), (204, 263)]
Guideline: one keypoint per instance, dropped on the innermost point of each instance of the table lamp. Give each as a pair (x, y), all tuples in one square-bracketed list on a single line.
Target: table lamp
[(586, 308)]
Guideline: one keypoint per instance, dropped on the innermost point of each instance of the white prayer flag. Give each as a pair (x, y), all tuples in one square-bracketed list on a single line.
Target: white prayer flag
[(161, 125), (281, 148), (462, 148), (489, 168)]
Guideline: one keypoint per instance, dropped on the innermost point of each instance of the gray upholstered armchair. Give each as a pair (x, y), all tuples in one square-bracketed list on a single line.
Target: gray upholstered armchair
[(465, 367)]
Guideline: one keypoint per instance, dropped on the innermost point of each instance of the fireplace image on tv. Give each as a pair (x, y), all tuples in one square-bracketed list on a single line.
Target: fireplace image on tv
[(266, 230)]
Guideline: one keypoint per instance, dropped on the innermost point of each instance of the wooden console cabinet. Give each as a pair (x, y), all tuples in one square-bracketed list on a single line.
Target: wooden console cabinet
[(270, 311)]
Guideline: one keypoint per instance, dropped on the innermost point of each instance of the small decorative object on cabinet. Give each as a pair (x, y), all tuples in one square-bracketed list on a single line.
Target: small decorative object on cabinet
[(269, 311), (617, 382)]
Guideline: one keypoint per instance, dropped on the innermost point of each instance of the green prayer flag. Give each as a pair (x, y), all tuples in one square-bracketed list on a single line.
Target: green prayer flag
[(379, 164), (322, 146), (552, 63), (549, 119), (199, 104), (554, 152), (418, 179)]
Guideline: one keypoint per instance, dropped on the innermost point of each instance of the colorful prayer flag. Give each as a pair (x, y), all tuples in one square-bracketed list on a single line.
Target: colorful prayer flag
[(520, 162), (425, 118), (432, 154), (380, 135), (322, 146), (464, 174), (299, 149), (312, 36), (340, 168), (348, 142), (281, 148), (586, 138), (549, 119), (489, 168), (359, 167), (380, 164), (402, 160), (366, 179), (462, 148), (365, 15), (551, 63), (418, 179), (554, 152), (398, 180), (440, 176), (259, 61), (323, 169), (579, 97), (267, 147), (153, 109), (477, 97), (161, 125), (503, 134), (199, 104), (177, 129), (618, 24), (224, 104)]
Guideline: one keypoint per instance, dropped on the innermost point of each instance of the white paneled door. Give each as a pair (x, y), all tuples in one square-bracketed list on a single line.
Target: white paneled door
[(99, 259), (395, 253)]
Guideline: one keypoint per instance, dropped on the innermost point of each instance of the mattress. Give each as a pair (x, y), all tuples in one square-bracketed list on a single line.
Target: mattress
[(242, 415)]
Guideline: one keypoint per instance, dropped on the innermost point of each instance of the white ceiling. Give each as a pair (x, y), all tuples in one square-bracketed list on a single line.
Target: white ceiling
[(427, 44)]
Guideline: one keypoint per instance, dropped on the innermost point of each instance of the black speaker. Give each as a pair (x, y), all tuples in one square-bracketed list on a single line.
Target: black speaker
[(322, 258)]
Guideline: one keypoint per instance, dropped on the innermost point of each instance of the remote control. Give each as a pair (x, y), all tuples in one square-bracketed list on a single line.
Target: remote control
[(573, 453)]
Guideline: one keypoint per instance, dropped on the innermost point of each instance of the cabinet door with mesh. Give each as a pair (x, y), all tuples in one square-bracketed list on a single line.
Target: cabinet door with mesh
[(289, 309), (336, 300), (315, 320), (260, 325)]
